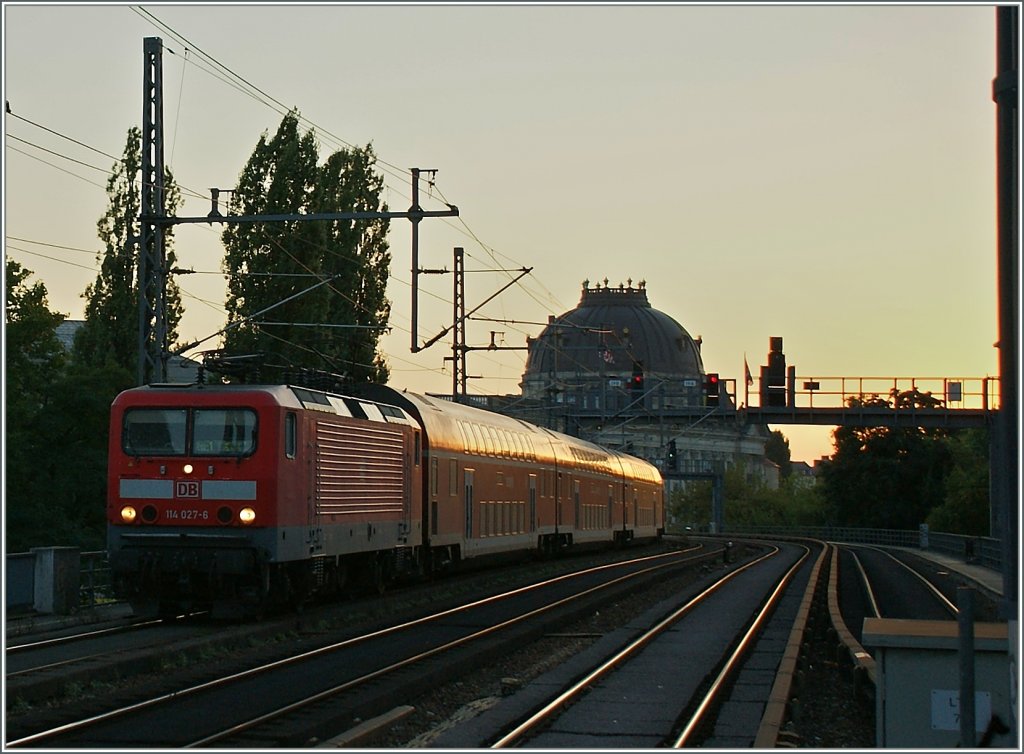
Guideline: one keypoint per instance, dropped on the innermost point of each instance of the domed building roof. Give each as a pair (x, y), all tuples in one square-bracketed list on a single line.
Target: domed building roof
[(610, 330)]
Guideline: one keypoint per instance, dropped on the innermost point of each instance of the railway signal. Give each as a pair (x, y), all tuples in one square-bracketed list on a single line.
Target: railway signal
[(711, 389), (636, 383)]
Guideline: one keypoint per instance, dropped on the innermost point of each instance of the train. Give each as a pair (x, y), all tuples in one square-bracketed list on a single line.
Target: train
[(240, 498)]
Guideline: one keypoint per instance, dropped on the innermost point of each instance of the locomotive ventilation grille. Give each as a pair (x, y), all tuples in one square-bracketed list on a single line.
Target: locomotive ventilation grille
[(359, 470)]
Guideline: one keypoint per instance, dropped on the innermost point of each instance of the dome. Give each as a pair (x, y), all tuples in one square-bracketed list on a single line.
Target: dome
[(610, 333)]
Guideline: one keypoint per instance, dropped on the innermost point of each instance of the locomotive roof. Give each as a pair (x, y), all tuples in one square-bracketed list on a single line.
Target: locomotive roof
[(292, 396)]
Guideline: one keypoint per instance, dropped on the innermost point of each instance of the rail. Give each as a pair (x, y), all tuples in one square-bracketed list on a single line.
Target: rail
[(985, 551), (95, 587)]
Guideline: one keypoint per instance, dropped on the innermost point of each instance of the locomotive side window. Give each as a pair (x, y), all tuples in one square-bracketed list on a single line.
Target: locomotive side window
[(154, 431), (290, 434), (224, 432)]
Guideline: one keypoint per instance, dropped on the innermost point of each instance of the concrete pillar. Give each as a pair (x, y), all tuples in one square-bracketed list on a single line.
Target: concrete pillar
[(56, 579)]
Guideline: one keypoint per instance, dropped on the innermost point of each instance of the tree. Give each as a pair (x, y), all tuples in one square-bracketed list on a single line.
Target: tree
[(110, 332), (359, 253), (885, 477), (34, 354), (35, 361), (268, 312), (776, 450), (965, 507), (749, 502)]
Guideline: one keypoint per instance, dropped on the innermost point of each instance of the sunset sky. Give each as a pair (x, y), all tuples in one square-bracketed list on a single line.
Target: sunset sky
[(822, 173)]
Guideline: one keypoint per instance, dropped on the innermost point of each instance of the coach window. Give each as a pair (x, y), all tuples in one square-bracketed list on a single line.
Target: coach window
[(433, 477), (453, 481), (290, 435)]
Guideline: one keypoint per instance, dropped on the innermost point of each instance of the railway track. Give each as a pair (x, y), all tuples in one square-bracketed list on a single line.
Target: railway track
[(661, 680), (870, 582), (435, 654), (818, 695), (285, 702)]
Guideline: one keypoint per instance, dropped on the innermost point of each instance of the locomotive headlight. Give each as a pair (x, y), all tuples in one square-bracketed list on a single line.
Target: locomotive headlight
[(188, 468), (247, 515), (128, 514)]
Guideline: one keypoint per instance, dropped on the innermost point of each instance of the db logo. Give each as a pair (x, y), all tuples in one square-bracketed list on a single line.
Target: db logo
[(186, 488)]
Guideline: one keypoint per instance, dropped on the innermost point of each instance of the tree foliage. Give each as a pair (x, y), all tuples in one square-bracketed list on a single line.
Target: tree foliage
[(34, 355), (270, 264), (885, 477), (965, 506), (110, 333), (33, 370), (749, 502), (776, 450)]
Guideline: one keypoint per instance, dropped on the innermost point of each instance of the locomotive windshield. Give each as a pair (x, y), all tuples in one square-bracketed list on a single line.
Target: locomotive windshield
[(199, 432)]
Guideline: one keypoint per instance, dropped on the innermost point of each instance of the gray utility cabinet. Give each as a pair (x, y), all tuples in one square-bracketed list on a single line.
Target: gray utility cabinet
[(917, 693)]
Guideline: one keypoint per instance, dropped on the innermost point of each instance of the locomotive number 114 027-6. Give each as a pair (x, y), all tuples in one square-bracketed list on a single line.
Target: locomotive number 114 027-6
[(187, 514)]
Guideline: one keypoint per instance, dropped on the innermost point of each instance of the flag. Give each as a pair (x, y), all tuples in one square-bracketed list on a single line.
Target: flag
[(746, 371)]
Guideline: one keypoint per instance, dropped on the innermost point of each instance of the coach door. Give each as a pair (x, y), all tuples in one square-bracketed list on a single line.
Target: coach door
[(576, 502), (610, 520), (533, 503), (468, 484)]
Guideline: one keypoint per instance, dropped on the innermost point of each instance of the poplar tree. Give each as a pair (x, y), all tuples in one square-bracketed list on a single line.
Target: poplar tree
[(274, 306), (110, 333), (358, 249), (269, 262)]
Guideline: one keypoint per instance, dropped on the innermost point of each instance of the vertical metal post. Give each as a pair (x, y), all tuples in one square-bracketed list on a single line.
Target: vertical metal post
[(459, 322), (718, 503), (152, 260), (965, 622), (1004, 448), (415, 255)]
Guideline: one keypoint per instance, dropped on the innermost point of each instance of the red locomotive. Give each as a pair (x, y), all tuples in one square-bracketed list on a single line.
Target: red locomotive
[(238, 497)]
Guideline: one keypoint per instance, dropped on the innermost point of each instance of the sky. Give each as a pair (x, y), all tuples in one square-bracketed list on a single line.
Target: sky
[(821, 173)]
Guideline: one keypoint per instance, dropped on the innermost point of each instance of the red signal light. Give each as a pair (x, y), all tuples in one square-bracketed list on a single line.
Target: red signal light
[(711, 390)]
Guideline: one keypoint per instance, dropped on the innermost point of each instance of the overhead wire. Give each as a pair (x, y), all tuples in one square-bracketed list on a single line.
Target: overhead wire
[(56, 167), (184, 189), (8, 247), (246, 87)]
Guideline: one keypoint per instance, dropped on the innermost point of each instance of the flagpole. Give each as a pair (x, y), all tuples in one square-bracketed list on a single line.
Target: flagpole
[(747, 379)]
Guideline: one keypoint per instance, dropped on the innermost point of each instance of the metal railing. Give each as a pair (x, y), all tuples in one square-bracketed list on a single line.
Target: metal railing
[(94, 586), (806, 391)]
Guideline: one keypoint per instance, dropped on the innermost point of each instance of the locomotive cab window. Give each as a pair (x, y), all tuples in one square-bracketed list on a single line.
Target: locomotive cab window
[(177, 432), (154, 432), (224, 432)]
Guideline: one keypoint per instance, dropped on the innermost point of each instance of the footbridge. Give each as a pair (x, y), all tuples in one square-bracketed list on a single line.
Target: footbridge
[(927, 402)]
